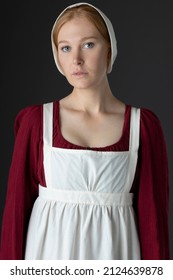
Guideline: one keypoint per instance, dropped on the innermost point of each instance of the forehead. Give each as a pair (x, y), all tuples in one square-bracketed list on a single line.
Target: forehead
[(78, 26)]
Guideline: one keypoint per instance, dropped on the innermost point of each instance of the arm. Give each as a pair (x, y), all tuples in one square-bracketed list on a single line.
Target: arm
[(22, 187), (153, 189)]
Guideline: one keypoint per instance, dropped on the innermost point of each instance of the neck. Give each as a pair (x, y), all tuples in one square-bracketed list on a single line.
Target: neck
[(93, 101)]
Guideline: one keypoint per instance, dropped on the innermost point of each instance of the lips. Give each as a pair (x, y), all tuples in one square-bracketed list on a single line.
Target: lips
[(79, 73)]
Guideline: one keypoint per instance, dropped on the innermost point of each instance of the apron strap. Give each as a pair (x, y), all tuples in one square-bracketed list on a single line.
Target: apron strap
[(134, 129), (47, 140), (48, 123), (133, 147)]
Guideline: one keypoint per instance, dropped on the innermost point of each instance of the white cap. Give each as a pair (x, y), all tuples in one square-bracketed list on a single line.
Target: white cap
[(110, 31)]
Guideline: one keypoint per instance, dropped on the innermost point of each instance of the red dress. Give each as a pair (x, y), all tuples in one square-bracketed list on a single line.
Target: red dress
[(150, 187)]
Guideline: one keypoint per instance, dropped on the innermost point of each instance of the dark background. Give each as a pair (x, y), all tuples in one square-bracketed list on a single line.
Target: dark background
[(142, 73)]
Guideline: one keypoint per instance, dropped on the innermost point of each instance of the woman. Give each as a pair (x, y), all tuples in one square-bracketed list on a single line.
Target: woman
[(89, 174)]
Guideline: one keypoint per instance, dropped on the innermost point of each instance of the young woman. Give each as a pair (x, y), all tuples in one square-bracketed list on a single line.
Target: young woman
[(89, 174)]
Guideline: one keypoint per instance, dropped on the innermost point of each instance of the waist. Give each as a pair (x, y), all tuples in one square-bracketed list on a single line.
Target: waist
[(86, 197)]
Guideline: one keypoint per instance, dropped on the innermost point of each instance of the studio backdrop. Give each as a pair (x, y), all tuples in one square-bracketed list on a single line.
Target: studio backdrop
[(141, 76)]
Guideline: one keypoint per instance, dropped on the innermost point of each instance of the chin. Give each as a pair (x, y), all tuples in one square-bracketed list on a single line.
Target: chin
[(80, 84)]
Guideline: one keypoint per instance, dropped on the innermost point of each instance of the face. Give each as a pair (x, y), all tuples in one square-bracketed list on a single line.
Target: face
[(82, 53)]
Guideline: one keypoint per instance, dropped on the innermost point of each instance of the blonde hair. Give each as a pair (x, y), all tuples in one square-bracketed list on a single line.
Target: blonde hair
[(83, 11)]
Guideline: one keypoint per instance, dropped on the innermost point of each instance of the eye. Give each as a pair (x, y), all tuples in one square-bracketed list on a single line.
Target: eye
[(66, 48), (89, 45)]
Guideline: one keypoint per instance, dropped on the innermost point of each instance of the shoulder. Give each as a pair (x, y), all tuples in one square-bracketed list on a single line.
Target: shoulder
[(149, 115), (150, 124), (149, 118), (30, 116), (151, 127)]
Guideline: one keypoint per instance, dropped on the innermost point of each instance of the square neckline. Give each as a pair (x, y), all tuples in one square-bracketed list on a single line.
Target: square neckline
[(117, 146)]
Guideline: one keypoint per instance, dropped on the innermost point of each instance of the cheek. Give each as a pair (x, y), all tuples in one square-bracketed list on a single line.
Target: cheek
[(62, 61), (100, 61)]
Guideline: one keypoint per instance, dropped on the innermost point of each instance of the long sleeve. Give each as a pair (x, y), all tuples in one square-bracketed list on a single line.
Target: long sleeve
[(153, 189), (22, 189)]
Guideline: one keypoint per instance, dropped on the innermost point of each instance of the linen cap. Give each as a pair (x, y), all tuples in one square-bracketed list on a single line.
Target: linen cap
[(110, 31)]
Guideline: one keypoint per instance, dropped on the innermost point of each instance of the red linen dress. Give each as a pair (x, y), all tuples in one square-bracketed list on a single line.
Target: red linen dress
[(150, 187)]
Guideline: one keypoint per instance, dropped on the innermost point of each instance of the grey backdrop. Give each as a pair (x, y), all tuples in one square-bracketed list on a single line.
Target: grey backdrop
[(142, 74)]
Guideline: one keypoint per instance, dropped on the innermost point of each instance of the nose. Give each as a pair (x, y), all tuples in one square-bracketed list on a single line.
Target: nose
[(77, 61), (77, 58)]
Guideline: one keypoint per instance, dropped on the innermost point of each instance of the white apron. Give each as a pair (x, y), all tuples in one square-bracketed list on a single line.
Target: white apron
[(86, 212)]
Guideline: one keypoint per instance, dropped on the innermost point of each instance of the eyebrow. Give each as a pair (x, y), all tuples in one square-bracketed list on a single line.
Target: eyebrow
[(83, 39)]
